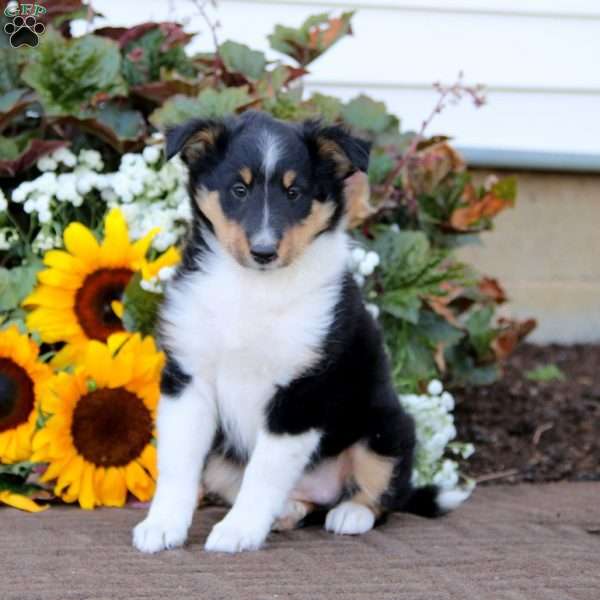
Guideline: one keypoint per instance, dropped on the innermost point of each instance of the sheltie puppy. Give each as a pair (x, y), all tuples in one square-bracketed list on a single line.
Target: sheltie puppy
[(276, 395)]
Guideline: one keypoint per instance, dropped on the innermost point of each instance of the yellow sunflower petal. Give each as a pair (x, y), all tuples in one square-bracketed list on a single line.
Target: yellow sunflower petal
[(169, 258), (148, 460), (138, 481), (140, 248), (80, 242), (20, 502), (113, 488), (118, 308), (98, 363), (115, 249), (87, 495), (53, 297), (63, 261)]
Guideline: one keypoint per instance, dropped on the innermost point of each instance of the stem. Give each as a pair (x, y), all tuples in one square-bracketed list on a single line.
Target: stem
[(201, 7), (457, 91)]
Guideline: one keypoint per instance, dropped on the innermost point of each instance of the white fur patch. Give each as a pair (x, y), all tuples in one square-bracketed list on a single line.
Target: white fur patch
[(350, 518), (450, 499), (244, 332), (274, 468), (186, 427), (270, 146)]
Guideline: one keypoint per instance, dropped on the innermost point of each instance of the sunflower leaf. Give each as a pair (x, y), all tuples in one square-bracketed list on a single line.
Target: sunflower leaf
[(140, 307), (20, 469), (17, 283)]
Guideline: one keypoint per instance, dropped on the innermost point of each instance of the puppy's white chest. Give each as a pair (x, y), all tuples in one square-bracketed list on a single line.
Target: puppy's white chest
[(247, 333)]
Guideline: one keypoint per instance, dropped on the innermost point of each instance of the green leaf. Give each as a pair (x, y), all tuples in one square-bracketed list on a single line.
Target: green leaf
[(506, 188), (9, 99), (148, 56), (121, 128), (367, 115), (380, 165), (20, 469), (209, 103), (438, 330), (328, 108), (316, 35), (16, 485), (17, 283), (481, 332), (402, 304), (140, 307), (239, 58), (9, 148), (19, 153), (68, 74), (545, 374)]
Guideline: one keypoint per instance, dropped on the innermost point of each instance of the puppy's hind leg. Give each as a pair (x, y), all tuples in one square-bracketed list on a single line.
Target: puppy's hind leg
[(371, 476), (186, 426), (381, 469)]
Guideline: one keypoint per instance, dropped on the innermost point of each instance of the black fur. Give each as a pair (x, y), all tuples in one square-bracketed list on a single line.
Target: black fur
[(173, 380)]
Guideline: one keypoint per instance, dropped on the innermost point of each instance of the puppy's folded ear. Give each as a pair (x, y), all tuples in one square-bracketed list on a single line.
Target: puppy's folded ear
[(340, 156), (337, 146), (196, 140)]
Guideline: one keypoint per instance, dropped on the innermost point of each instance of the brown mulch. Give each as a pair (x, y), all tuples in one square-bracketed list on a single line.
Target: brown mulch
[(536, 431)]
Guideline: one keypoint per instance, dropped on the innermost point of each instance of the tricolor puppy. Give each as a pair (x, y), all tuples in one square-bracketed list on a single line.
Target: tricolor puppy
[(276, 395)]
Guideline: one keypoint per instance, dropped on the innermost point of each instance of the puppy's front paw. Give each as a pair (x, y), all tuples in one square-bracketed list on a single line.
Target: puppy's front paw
[(154, 535), (349, 518), (232, 535)]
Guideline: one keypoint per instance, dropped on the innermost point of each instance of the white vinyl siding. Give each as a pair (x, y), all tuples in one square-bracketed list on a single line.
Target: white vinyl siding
[(538, 58)]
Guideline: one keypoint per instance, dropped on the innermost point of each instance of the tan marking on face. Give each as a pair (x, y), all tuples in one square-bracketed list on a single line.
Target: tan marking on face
[(198, 143), (372, 474), (288, 178), (246, 175), (297, 237), (356, 194), (229, 233), (328, 149)]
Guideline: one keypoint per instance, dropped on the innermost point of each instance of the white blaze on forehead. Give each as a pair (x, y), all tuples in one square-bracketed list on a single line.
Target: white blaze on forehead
[(270, 148)]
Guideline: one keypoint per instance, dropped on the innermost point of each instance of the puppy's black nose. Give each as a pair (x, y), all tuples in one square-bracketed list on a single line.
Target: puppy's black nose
[(263, 254)]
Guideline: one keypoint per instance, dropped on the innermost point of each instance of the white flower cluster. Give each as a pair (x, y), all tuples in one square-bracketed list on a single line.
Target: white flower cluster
[(150, 192), (362, 265), (156, 285), (8, 235), (151, 196), (435, 434)]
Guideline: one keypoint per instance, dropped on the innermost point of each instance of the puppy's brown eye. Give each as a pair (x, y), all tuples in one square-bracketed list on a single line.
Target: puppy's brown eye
[(293, 193), (239, 190)]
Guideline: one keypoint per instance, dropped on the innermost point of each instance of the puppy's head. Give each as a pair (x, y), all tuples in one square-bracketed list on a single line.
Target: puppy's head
[(267, 188)]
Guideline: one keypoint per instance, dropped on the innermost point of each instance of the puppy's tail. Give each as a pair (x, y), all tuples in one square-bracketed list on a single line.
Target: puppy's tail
[(430, 501)]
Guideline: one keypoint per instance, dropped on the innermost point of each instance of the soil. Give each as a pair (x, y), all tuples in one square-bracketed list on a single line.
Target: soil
[(532, 431)]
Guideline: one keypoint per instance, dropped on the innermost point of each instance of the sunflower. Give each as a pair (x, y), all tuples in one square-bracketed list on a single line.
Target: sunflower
[(22, 377), (97, 440), (78, 295)]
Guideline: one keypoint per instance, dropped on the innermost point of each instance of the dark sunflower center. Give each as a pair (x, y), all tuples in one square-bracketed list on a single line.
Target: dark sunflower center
[(111, 427), (16, 395), (93, 302)]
